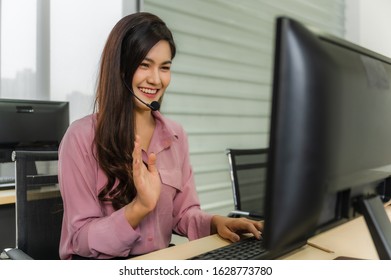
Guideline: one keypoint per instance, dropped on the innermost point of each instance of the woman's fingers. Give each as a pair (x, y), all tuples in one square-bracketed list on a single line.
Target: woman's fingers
[(152, 163), (137, 153)]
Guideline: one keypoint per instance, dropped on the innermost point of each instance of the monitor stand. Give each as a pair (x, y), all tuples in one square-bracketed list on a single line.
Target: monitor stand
[(378, 223)]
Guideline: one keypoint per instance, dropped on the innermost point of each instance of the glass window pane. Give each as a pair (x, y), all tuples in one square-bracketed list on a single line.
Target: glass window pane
[(18, 48), (79, 30)]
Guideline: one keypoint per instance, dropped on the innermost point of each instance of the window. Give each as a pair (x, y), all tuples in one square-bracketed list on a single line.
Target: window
[(18, 48), (50, 49)]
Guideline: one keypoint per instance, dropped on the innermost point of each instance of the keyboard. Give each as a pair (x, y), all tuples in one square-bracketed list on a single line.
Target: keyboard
[(245, 249)]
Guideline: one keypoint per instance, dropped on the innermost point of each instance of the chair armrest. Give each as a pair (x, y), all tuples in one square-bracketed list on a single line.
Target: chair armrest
[(35, 155), (250, 215), (17, 254)]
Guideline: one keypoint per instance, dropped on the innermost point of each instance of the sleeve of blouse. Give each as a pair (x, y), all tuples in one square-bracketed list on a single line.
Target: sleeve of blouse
[(86, 230), (189, 219)]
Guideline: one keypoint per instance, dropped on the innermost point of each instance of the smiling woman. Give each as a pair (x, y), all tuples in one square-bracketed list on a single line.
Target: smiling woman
[(124, 171)]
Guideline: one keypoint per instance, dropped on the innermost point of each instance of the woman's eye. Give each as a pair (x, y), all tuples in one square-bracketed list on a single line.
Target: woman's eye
[(144, 65), (166, 68)]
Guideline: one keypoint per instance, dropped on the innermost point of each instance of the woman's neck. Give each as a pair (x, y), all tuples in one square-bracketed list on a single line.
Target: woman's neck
[(145, 125)]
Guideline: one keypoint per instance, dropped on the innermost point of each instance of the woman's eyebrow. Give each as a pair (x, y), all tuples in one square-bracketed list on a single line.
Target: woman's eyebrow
[(152, 61)]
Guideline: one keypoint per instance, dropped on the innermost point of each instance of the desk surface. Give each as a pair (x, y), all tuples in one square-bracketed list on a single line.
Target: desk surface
[(8, 196), (351, 239)]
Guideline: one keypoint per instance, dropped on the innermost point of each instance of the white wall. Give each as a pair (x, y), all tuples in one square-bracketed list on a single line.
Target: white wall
[(368, 23)]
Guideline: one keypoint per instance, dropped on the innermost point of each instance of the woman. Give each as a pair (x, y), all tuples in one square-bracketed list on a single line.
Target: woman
[(124, 171)]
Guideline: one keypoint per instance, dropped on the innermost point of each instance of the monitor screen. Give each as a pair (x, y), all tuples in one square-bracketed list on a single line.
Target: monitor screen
[(330, 131), (31, 124)]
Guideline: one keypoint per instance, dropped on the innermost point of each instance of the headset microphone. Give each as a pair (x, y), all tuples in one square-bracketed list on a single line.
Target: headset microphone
[(154, 106)]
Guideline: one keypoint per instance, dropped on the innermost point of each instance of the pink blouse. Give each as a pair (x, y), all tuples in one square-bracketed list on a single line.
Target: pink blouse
[(92, 228)]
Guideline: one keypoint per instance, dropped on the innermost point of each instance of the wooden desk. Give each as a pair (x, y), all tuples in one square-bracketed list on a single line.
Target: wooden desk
[(8, 196), (186, 250), (351, 239)]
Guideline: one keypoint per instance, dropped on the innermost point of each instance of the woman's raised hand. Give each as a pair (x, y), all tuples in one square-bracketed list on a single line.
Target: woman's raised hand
[(147, 183), (146, 178)]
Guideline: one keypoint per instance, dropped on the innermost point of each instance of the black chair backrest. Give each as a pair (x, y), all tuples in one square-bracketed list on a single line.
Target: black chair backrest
[(248, 178), (39, 208)]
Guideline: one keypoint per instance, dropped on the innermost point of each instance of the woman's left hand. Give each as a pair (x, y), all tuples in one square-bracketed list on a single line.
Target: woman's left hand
[(230, 228)]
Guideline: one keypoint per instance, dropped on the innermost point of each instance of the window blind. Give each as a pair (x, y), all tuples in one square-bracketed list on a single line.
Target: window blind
[(221, 77)]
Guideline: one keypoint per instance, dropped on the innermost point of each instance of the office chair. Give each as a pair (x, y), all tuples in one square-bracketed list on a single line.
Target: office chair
[(248, 178), (38, 206)]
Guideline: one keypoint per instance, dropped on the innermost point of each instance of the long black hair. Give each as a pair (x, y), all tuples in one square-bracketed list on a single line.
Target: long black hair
[(127, 45)]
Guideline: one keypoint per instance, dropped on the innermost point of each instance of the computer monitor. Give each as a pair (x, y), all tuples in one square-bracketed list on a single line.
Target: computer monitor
[(330, 133), (31, 124)]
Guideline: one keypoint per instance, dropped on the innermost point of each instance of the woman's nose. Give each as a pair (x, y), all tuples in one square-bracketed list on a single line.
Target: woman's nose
[(154, 77)]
